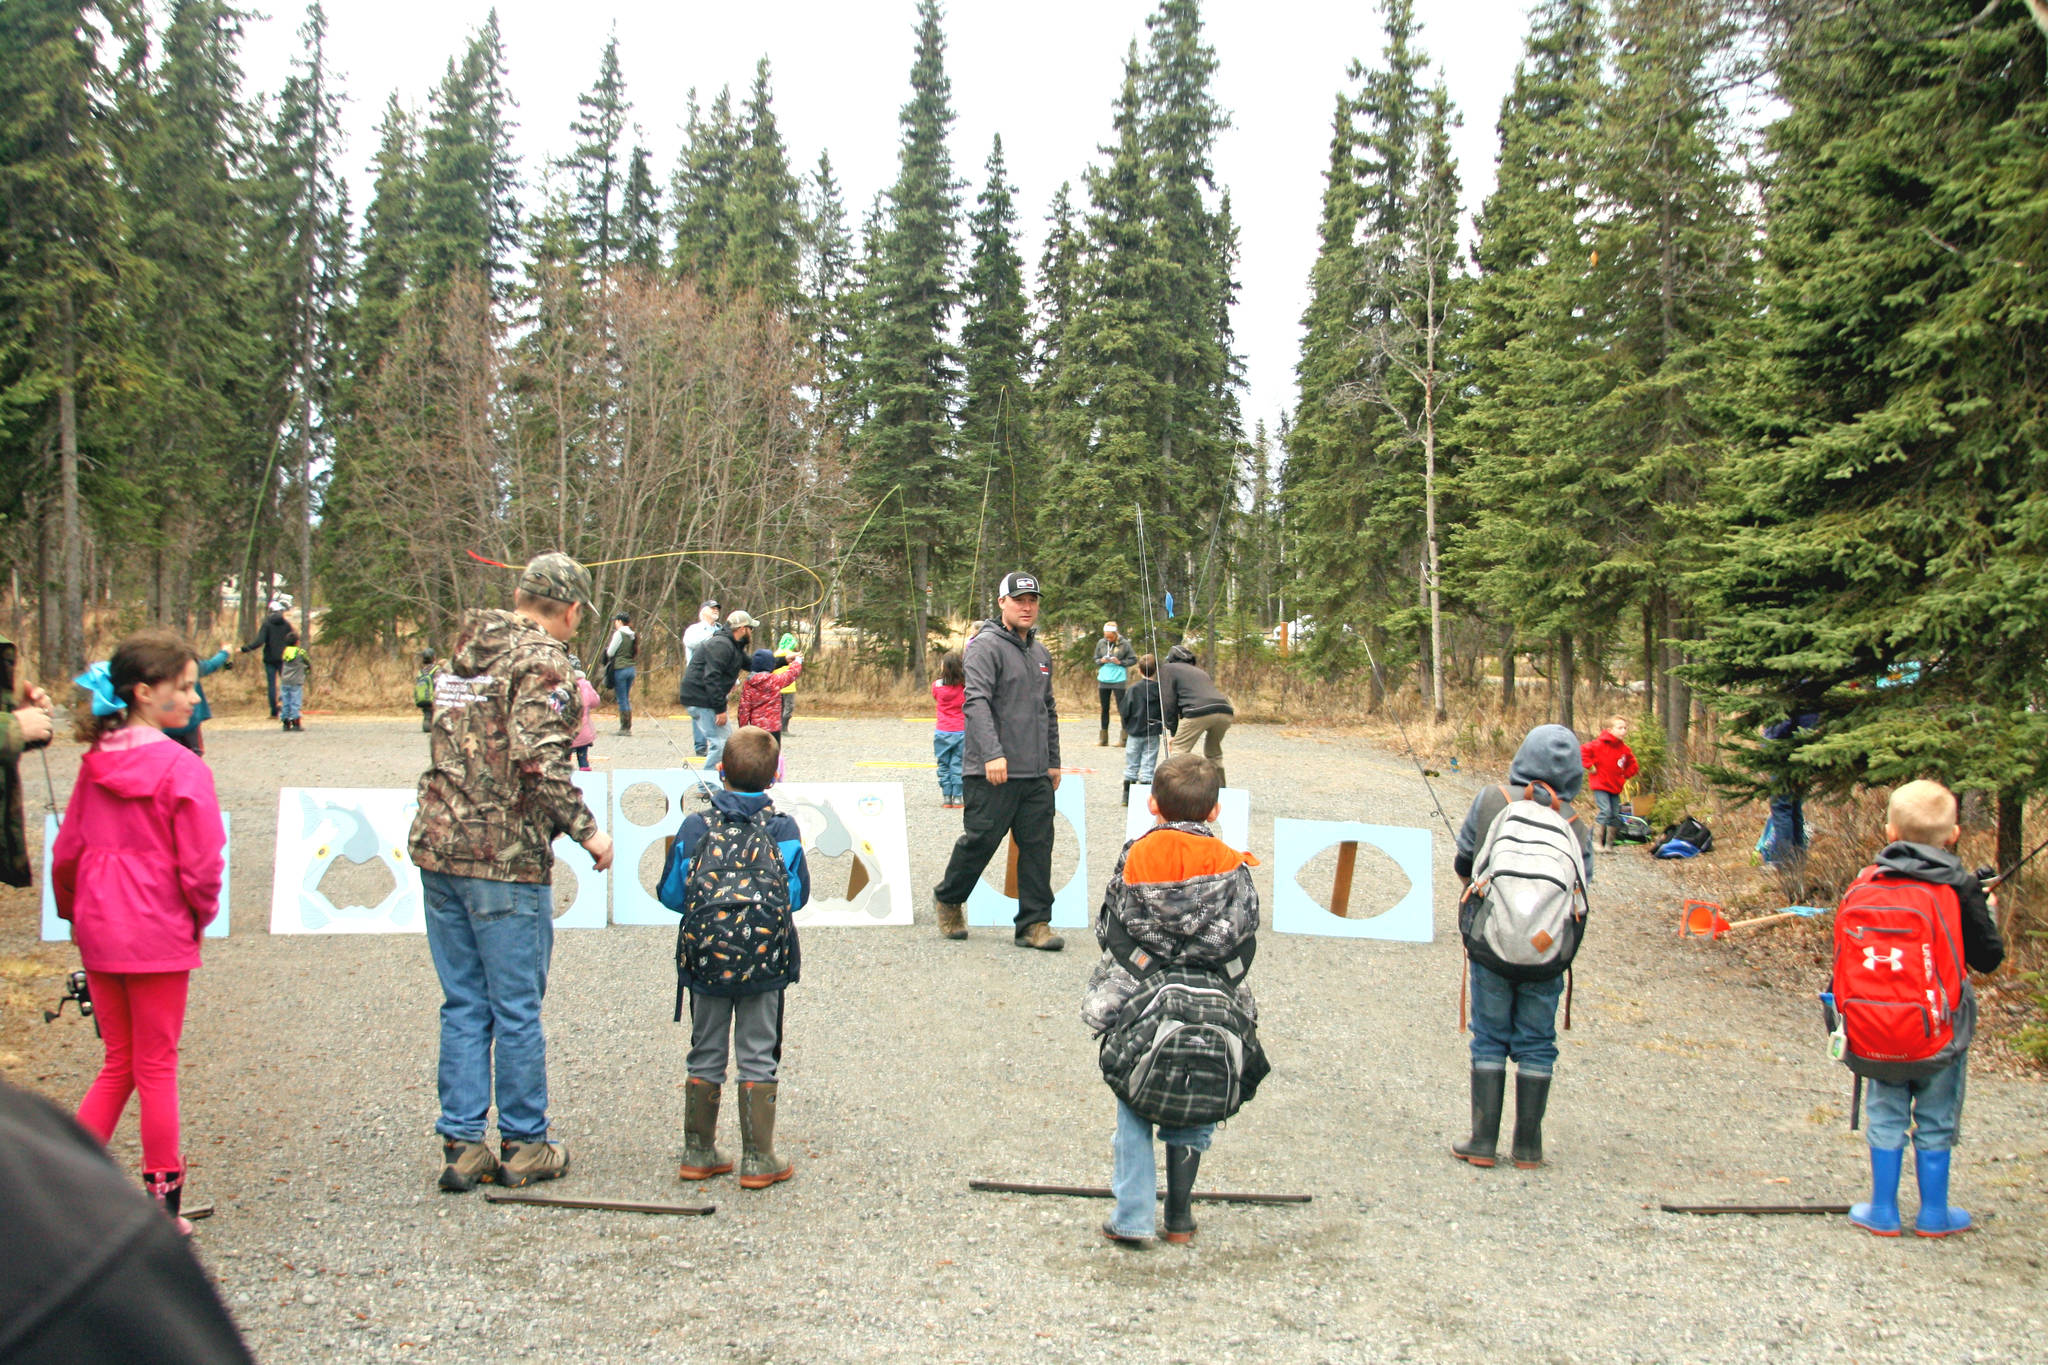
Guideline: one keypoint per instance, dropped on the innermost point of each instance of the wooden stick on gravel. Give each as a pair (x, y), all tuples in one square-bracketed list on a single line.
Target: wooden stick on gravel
[(1759, 1209), (1104, 1192), (563, 1201)]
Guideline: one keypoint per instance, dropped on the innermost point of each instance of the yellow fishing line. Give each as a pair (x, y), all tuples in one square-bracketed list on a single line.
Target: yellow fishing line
[(744, 554)]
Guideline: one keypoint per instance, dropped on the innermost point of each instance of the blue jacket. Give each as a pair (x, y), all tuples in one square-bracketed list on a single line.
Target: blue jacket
[(202, 712), (673, 890)]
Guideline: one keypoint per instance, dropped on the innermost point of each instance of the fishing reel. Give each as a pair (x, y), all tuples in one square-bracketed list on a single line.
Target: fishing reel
[(76, 991)]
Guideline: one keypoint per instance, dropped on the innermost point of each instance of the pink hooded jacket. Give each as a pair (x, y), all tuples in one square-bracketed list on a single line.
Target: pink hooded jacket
[(136, 867), (586, 732)]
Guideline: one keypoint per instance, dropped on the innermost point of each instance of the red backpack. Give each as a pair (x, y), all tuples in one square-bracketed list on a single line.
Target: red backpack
[(1899, 976)]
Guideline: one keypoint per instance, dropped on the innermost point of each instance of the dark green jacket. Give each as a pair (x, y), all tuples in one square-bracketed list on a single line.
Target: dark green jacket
[(14, 837)]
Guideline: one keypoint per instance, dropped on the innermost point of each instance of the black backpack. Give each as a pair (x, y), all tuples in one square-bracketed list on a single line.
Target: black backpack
[(1182, 1051), (1692, 830), (737, 937)]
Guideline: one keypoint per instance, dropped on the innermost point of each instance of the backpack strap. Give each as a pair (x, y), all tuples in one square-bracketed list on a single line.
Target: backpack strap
[(1141, 962)]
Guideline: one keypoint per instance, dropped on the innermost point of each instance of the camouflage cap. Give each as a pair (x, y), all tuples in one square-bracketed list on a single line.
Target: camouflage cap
[(555, 575)]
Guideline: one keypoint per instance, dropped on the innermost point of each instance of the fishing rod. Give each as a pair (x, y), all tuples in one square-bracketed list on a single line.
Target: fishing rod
[(1413, 757)]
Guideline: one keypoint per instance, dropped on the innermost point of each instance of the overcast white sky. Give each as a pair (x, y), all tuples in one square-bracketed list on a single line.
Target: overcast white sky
[(1042, 75)]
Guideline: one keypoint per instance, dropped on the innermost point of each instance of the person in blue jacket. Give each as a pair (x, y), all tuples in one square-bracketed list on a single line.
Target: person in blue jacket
[(735, 952), (189, 734)]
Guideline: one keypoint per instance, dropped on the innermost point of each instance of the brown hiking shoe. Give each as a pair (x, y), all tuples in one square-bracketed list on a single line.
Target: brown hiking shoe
[(952, 919), (1041, 937), (527, 1162), (465, 1163)]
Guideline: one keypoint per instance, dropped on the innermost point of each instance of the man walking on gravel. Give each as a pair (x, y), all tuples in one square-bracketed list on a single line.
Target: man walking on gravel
[(1012, 762), (498, 791), (708, 681)]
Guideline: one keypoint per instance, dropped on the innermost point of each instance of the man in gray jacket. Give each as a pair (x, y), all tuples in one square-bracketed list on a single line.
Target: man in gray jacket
[(1012, 760)]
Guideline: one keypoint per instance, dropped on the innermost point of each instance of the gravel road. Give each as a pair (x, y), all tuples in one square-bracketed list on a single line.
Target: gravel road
[(913, 1064)]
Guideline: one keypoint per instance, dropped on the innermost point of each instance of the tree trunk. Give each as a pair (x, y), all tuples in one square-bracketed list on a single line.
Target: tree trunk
[(49, 644), (1650, 696), (1429, 562), (1567, 679), (71, 628), (2012, 813), (1376, 697), (919, 613), (1507, 670), (1677, 696)]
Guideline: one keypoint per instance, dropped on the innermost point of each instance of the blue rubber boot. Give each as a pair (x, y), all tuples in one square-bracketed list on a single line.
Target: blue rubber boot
[(1937, 1217), (1881, 1215)]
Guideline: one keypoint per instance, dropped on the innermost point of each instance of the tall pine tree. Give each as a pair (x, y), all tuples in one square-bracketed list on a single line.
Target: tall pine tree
[(996, 354)]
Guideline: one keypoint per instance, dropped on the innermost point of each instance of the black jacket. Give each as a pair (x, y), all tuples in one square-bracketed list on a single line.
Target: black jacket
[(1009, 709), (96, 1272), (1983, 949), (270, 637), (1140, 705), (14, 869), (1185, 690), (713, 669)]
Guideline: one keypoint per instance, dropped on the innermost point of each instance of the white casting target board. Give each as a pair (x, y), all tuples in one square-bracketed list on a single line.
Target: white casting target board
[(1233, 826), (633, 903), (866, 820), (317, 825), (57, 930), (988, 907), (1295, 842), (587, 910)]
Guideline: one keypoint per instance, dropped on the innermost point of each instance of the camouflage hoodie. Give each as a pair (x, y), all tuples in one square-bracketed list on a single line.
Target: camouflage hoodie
[(1199, 920), (499, 788)]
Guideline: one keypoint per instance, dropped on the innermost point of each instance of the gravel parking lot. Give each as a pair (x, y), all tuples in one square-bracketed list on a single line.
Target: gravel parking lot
[(913, 1064)]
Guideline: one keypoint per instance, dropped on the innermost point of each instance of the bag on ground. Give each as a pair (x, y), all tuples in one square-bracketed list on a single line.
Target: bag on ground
[(1898, 980), (1182, 1051), (1525, 912)]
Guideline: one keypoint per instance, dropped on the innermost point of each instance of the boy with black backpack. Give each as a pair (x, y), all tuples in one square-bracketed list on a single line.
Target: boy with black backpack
[(1901, 1007), (1525, 860), (737, 877), (1177, 1028)]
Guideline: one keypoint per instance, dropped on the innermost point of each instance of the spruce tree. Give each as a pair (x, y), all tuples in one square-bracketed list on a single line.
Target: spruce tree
[(701, 190), (825, 318), (61, 255), (1882, 564), (390, 245), (766, 215), (469, 181), (640, 215), (911, 366), (996, 353), (595, 165)]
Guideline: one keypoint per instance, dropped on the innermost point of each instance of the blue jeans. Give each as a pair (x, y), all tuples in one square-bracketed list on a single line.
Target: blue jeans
[(1141, 756), (270, 683), (1785, 833), (1607, 808), (1515, 1019), (946, 747), (1933, 1108), (293, 694), (622, 683), (708, 733), (492, 942), (1134, 1178)]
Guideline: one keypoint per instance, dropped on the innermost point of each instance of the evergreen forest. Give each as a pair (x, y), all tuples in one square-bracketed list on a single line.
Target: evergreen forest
[(1735, 387)]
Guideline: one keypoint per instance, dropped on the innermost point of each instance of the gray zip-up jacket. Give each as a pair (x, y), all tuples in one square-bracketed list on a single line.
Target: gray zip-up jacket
[(1010, 709)]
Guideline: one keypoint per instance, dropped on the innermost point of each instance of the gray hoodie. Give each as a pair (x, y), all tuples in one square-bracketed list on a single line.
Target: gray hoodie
[(1009, 709), (1550, 755)]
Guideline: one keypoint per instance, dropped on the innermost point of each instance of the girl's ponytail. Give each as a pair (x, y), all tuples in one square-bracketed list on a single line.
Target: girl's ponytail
[(148, 656)]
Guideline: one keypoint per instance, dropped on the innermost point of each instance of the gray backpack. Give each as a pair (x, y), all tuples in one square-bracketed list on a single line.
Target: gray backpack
[(1525, 912)]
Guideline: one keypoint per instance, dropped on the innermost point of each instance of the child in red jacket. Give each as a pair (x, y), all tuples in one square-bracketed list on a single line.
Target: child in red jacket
[(136, 869), (761, 697), (1612, 763)]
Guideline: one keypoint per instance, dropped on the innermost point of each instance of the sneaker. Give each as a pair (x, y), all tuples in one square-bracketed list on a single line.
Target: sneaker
[(952, 920), (1041, 937), (464, 1164), (526, 1162)]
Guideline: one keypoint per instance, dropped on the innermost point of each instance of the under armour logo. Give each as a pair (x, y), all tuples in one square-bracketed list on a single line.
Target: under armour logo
[(1871, 957)]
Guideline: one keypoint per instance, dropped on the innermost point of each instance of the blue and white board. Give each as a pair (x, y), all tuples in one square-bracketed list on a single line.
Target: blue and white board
[(318, 825), (1296, 842), (587, 910), (989, 908), (1233, 826)]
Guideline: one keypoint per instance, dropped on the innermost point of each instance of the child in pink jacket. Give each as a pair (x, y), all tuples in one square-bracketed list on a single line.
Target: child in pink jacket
[(586, 733), (136, 869)]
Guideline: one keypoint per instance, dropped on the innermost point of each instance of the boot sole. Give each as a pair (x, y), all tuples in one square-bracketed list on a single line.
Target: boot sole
[(451, 1183), (1874, 1232), (1918, 1231), (762, 1182), (1177, 1238), (1522, 1165), (703, 1172), (1486, 1162)]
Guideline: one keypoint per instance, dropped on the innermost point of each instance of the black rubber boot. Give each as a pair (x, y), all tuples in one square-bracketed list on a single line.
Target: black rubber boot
[(1127, 795), (1532, 1096), (1489, 1088), (625, 722), (1181, 1165)]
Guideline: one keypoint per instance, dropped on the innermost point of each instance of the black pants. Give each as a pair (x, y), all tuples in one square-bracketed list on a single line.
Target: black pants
[(1111, 696), (1021, 806), (270, 681)]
